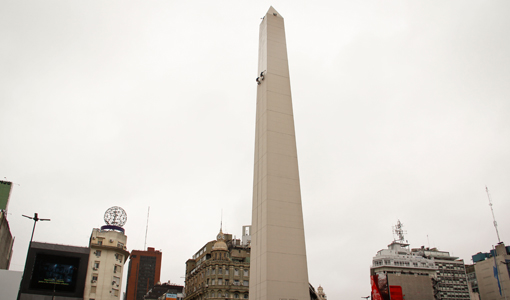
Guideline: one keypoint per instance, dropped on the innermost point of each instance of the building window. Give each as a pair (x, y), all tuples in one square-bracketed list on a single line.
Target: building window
[(96, 265), (116, 269), (98, 253), (116, 282), (226, 281), (213, 271), (220, 281), (245, 282), (212, 281), (236, 296), (220, 271), (94, 278), (226, 271), (236, 272), (120, 245), (246, 273), (100, 241), (236, 282), (245, 296)]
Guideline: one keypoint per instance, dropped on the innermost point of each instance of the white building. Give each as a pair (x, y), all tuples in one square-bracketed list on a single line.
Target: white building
[(108, 254), (399, 271), (398, 259)]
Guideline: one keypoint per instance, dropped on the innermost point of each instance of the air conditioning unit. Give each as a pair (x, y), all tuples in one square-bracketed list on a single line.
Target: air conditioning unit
[(94, 268), (111, 240), (93, 237), (93, 281)]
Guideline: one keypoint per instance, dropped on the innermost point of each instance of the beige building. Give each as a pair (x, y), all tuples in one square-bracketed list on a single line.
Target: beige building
[(219, 270), (474, 294), (108, 254), (487, 265)]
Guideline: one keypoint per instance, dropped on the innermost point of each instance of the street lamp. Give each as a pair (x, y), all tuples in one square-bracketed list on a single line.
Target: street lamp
[(35, 218)]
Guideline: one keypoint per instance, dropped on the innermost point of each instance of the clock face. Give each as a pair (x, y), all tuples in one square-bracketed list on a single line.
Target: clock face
[(220, 236), (115, 216)]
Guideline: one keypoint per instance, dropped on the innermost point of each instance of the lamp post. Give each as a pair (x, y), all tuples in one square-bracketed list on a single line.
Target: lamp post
[(36, 219)]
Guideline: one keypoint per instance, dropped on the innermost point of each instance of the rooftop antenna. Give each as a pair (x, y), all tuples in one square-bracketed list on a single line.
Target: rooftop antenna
[(146, 229), (493, 218), (397, 229)]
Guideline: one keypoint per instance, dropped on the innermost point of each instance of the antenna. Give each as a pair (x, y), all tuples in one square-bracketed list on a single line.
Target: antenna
[(397, 229), (493, 218), (428, 242), (146, 229)]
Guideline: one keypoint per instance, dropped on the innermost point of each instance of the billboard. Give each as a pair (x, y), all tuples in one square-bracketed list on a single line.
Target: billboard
[(53, 272), (380, 290), (5, 192), (53, 269), (396, 292), (170, 296)]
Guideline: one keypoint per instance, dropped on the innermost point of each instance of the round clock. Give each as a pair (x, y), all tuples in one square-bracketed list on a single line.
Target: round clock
[(115, 216)]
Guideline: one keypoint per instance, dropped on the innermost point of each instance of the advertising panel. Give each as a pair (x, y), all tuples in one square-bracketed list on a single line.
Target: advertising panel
[(171, 296), (380, 290), (57, 273), (5, 192), (396, 292)]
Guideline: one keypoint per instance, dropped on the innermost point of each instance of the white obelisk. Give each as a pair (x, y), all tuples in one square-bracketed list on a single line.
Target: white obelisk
[(278, 254)]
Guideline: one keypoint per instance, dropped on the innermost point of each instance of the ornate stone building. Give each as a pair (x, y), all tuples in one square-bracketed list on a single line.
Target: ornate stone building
[(219, 270)]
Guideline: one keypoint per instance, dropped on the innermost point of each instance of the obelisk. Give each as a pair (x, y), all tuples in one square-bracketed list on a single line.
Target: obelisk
[(278, 254)]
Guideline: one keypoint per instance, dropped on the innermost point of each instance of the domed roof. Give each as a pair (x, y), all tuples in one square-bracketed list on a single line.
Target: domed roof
[(220, 245), (220, 242)]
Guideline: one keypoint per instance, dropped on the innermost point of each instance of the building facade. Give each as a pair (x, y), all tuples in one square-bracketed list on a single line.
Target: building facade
[(472, 282), (108, 254), (6, 238), (165, 291), (398, 270), (6, 242), (493, 273), (143, 273), (402, 273), (451, 280), (219, 270)]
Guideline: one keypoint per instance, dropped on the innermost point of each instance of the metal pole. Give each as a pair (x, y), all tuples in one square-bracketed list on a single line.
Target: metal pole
[(35, 218)]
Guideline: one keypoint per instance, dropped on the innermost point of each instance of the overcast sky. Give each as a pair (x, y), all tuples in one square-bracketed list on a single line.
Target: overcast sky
[(402, 111)]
